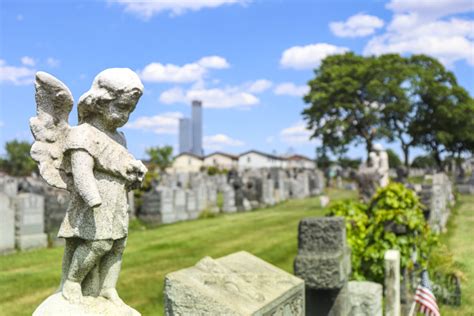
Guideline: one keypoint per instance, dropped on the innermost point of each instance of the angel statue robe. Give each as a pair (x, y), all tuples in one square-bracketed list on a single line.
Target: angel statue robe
[(112, 165)]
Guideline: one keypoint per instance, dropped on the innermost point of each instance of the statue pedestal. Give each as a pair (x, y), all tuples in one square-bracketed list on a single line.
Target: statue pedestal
[(57, 305)]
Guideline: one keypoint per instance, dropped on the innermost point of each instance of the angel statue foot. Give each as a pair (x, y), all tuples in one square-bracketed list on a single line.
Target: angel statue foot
[(72, 292), (112, 295)]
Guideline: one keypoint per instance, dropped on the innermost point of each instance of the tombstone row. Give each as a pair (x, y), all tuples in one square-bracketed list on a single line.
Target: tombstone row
[(180, 197)]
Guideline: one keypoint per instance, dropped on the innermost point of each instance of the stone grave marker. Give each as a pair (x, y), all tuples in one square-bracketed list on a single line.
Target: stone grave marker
[(237, 284), (324, 262), (29, 221), (7, 224)]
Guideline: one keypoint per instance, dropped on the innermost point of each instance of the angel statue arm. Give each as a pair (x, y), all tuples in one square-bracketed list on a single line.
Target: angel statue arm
[(82, 165)]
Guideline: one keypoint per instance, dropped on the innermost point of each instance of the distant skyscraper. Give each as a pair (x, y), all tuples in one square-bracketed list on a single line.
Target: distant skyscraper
[(197, 128), (185, 136)]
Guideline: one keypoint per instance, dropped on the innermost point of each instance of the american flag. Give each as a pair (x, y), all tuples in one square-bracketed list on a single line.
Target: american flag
[(424, 298)]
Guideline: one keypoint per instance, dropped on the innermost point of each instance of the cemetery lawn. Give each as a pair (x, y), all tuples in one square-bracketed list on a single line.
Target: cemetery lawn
[(459, 239), (26, 279)]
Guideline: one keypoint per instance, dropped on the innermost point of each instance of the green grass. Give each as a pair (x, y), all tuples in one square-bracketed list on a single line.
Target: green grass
[(271, 234), (459, 239)]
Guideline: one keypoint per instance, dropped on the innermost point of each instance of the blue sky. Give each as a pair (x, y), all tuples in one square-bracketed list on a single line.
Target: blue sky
[(247, 60)]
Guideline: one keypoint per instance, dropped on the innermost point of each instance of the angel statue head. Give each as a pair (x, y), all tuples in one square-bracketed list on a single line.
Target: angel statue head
[(114, 95)]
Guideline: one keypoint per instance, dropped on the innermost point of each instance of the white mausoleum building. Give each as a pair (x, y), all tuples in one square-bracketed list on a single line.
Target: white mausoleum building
[(187, 162), (255, 159), (221, 161), (300, 162)]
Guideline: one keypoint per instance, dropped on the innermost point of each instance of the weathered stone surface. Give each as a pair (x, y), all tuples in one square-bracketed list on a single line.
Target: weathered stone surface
[(365, 298), (29, 221), (324, 262), (392, 283), (7, 224), (56, 304), (92, 162), (324, 271), (237, 284), (322, 235)]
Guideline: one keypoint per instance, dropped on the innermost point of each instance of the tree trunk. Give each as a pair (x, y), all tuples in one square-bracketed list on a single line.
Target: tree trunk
[(406, 157), (368, 144)]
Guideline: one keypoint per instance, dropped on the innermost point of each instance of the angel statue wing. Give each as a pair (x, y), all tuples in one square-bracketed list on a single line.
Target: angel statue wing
[(49, 128)]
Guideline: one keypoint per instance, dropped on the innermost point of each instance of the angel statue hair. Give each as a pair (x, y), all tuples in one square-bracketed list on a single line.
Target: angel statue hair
[(91, 161)]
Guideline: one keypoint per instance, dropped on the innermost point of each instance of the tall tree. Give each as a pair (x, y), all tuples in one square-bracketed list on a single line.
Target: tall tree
[(18, 161), (343, 102), (444, 110), (160, 157)]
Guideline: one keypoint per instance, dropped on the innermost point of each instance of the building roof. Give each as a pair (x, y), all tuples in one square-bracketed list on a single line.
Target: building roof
[(298, 158), (262, 154), (233, 157), (189, 154)]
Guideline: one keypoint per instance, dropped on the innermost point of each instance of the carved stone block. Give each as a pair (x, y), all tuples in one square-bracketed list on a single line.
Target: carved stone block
[(237, 284)]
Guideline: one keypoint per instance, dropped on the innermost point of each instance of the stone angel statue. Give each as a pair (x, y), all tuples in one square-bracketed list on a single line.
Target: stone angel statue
[(91, 162)]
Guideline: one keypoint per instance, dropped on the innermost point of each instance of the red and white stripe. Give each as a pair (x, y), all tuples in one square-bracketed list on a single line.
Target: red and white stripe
[(427, 302)]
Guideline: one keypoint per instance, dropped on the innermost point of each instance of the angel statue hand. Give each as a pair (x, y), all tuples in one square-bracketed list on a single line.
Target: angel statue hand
[(136, 171)]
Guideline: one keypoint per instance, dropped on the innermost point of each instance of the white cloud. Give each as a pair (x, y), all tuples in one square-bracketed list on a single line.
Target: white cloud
[(53, 62), (228, 97), (27, 61), (157, 72), (414, 31), (165, 123), (219, 141), (297, 134), (356, 26), (16, 75), (259, 86), (215, 62), (309, 56), (149, 8), (432, 8), (289, 88)]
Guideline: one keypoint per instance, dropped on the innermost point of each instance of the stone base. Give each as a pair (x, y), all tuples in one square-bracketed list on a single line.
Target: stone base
[(57, 305), (35, 241)]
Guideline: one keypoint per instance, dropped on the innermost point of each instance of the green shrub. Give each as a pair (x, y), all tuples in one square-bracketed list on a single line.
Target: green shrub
[(393, 220), (356, 230)]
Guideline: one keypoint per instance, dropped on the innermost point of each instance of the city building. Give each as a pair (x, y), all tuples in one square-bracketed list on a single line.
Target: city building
[(300, 162), (254, 159), (187, 162), (185, 135), (190, 131), (197, 128), (221, 161)]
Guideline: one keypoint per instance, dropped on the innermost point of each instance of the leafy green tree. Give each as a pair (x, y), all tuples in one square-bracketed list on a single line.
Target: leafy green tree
[(444, 110), (343, 102), (160, 157), (18, 161), (346, 162), (393, 159), (424, 162)]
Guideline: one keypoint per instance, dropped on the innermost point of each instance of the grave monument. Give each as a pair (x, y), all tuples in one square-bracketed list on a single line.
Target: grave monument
[(91, 162)]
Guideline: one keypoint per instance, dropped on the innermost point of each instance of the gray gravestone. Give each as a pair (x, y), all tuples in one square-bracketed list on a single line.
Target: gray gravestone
[(191, 204), (237, 284), (179, 199), (7, 224), (365, 298), (323, 261), (228, 196), (29, 221)]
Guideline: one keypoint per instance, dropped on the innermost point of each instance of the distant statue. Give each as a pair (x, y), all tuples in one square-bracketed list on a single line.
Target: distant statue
[(374, 173), (91, 162)]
